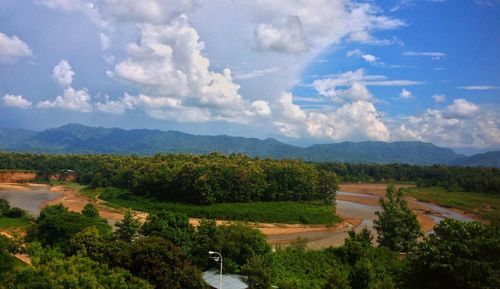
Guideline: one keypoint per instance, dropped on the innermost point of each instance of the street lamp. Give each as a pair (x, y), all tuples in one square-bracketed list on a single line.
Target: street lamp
[(217, 259)]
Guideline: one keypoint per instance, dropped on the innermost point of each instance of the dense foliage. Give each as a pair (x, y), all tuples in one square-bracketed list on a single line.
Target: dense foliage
[(459, 256), (206, 179), (167, 252), (479, 180), (396, 225)]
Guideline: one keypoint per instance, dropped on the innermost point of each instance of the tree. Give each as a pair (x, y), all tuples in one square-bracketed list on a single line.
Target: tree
[(238, 243), (257, 270), (397, 225), (361, 274), (73, 272), (458, 255), (171, 226), (4, 207), (327, 186), (88, 242), (90, 211), (336, 280), (56, 226), (357, 245), (163, 264), (128, 228)]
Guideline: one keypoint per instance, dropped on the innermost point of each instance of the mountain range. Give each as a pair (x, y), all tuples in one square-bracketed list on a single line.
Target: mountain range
[(77, 138)]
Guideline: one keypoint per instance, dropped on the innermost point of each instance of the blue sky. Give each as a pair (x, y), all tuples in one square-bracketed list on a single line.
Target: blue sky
[(301, 71)]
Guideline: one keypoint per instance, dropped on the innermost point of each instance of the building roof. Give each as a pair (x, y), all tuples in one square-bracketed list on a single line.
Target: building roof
[(211, 277)]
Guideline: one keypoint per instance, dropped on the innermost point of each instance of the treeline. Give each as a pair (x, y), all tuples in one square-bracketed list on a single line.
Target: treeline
[(205, 179), (479, 180)]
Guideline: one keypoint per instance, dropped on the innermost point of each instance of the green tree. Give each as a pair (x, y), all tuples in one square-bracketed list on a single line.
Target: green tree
[(88, 242), (336, 280), (74, 272), (327, 186), (90, 211), (56, 226), (128, 228), (458, 255), (397, 225), (171, 226), (361, 275), (238, 243), (258, 272), (163, 264), (4, 207)]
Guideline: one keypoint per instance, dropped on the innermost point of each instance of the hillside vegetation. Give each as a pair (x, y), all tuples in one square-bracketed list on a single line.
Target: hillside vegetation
[(76, 138)]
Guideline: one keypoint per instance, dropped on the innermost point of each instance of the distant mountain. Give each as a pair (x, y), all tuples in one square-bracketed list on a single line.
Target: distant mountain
[(77, 138), (489, 159), (410, 152)]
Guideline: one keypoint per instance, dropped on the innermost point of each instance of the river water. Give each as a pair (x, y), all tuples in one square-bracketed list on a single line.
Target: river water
[(30, 198)]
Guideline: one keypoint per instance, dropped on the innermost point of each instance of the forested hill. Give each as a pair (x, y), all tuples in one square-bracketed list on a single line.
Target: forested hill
[(76, 138), (489, 159)]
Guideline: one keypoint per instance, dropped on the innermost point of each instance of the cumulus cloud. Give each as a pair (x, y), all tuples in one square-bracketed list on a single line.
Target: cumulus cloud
[(406, 94), (461, 108), (12, 48), (284, 37), (16, 101), (358, 120), (63, 73), (458, 125), (76, 100), (439, 97), (167, 63), (317, 25)]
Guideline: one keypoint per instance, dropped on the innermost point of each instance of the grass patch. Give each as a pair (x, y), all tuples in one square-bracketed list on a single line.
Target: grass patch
[(271, 212), (14, 223), (482, 205)]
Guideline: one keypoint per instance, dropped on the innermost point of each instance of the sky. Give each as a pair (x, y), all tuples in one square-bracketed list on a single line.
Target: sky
[(301, 71)]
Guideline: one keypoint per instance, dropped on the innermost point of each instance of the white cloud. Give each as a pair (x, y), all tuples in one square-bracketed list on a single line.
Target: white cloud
[(168, 63), (406, 94), (104, 40), (461, 108), (286, 37), (439, 97), (355, 121), (370, 58), (76, 100), (262, 107), (317, 24), (433, 55), (63, 73), (352, 85), (16, 101), (458, 125), (12, 48), (479, 87)]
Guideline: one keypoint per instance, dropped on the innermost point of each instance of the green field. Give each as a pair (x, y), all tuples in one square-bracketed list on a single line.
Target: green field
[(272, 212), (484, 206), (14, 223)]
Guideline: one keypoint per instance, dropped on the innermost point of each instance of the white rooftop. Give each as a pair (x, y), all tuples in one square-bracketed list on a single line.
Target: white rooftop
[(228, 281)]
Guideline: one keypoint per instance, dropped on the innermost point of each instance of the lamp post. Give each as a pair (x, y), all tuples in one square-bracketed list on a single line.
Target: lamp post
[(217, 259)]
